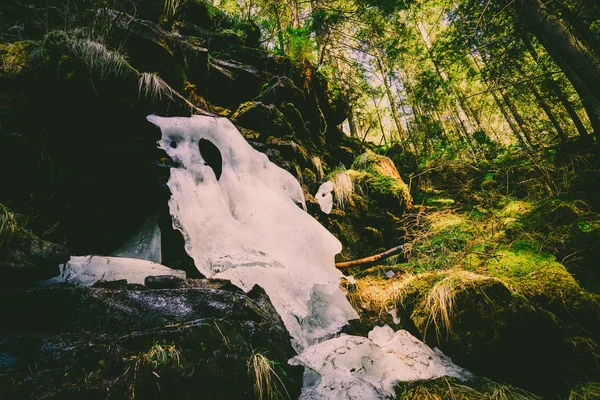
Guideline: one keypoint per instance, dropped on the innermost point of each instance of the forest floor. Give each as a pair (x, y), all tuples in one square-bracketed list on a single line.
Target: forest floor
[(502, 278)]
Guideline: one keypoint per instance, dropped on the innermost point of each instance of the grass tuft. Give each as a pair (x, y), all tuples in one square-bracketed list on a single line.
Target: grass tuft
[(152, 86), (586, 391), (342, 188), (8, 226), (318, 165), (499, 391), (97, 57), (266, 380)]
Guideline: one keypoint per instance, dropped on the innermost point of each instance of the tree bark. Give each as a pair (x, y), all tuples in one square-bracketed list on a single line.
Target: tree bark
[(554, 88), (574, 59)]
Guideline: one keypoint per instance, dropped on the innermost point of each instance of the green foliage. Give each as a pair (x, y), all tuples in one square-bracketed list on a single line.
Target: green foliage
[(299, 44)]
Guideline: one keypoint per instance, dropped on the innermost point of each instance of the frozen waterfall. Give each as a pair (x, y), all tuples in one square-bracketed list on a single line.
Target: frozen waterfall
[(243, 219), (248, 226)]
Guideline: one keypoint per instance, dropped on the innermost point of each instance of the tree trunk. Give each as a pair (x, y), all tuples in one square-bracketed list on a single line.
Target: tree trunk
[(544, 106), (392, 101), (554, 88), (352, 123), (507, 117), (574, 59)]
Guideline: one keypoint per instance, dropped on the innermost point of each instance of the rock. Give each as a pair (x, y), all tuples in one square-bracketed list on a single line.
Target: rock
[(231, 83), (164, 282), (282, 89), (195, 12), (27, 260), (268, 120), (87, 341), (118, 284)]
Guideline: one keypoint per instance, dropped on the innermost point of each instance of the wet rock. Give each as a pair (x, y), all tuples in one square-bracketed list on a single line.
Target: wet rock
[(118, 284), (164, 282), (28, 259), (85, 342)]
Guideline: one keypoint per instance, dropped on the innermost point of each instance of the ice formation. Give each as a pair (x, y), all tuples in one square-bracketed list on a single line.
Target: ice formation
[(144, 244), (324, 197), (246, 226), (355, 367), (86, 270)]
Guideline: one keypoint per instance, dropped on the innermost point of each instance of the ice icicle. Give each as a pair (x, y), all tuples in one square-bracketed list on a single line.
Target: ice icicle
[(355, 367), (144, 244), (86, 270), (242, 220)]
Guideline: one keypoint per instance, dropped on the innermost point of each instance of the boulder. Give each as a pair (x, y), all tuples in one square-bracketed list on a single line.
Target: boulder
[(167, 343), (24, 258)]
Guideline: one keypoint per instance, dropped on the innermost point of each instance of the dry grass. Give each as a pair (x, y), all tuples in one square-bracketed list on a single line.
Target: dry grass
[(159, 357), (498, 391), (97, 57), (380, 164), (152, 86), (590, 391), (266, 380), (440, 301), (8, 226), (318, 165), (342, 188), (171, 7), (377, 293), (442, 389)]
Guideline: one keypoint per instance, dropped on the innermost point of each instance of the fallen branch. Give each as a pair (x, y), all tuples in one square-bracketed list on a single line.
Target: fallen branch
[(371, 259)]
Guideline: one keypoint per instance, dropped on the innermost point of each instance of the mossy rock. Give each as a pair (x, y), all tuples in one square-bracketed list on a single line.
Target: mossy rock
[(537, 330), (266, 119)]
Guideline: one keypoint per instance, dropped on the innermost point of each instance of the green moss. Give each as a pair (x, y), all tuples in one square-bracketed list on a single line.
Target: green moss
[(517, 263), (439, 202), (15, 56)]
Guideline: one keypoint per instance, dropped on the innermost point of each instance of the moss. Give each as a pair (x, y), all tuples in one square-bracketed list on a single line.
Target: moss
[(439, 202), (15, 56), (515, 264)]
